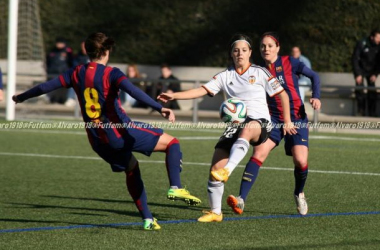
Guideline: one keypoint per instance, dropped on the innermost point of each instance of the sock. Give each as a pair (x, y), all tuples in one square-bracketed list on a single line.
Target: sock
[(237, 153), (251, 171), (300, 176), (215, 191), (173, 163), (136, 189)]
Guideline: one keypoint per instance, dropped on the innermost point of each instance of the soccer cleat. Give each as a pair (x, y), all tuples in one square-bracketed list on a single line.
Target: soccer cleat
[(301, 204), (184, 195), (151, 225), (220, 175), (236, 203), (210, 216)]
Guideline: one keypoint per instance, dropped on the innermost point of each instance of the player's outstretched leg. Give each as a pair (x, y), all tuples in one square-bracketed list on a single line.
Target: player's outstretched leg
[(250, 133), (136, 189), (173, 161), (238, 151)]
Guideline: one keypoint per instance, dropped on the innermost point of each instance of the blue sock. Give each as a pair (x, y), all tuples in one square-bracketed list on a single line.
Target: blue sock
[(173, 162), (136, 189), (300, 176), (251, 171)]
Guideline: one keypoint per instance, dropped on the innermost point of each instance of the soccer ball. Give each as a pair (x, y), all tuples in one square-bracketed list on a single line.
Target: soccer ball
[(233, 110)]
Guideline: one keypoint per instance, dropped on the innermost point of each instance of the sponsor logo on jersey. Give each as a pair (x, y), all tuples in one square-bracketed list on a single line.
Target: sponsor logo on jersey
[(231, 83), (251, 79), (279, 69)]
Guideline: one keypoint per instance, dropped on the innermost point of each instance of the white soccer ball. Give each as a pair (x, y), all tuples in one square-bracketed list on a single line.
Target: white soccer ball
[(233, 110)]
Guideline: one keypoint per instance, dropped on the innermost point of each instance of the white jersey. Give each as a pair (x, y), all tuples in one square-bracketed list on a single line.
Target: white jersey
[(251, 87)]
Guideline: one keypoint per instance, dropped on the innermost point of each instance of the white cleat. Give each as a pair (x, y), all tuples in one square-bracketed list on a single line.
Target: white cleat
[(301, 204)]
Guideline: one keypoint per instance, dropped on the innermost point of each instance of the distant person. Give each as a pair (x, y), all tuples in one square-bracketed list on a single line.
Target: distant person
[(366, 64), (303, 81), (1, 86), (171, 87), (97, 87), (79, 59), (133, 73), (58, 60)]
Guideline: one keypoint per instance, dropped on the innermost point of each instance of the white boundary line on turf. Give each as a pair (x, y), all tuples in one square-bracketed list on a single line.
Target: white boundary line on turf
[(187, 163)]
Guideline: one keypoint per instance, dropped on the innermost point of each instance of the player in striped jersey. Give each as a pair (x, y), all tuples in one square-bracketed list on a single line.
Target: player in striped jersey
[(112, 134), (286, 69), (249, 83)]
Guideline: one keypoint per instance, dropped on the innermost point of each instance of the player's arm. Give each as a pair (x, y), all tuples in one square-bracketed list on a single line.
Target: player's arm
[(315, 86), (142, 97), (183, 95), (139, 95), (289, 127), (38, 90), (274, 88)]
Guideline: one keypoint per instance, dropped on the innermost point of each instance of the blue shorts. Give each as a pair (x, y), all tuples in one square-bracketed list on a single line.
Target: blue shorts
[(301, 138), (141, 138)]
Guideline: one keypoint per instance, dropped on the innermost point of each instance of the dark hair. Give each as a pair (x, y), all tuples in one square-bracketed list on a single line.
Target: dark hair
[(237, 37), (272, 35), (165, 65), (375, 31), (97, 44), (231, 44), (60, 40)]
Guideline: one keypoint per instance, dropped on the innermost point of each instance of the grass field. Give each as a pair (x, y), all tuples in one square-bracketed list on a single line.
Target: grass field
[(64, 197)]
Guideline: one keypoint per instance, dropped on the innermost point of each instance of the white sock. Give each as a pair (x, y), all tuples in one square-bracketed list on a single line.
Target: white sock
[(215, 191), (237, 153)]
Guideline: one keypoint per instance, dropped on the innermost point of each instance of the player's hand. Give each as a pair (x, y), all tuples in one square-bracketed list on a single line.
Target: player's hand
[(168, 114), (1, 95), (15, 99), (165, 97), (289, 128), (315, 103)]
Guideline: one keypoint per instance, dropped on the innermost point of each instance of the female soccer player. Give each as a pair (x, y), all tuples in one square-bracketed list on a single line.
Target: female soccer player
[(250, 83), (97, 87), (286, 69)]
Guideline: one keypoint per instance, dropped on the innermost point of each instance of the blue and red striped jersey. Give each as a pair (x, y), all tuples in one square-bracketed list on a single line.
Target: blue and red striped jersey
[(286, 69), (97, 88)]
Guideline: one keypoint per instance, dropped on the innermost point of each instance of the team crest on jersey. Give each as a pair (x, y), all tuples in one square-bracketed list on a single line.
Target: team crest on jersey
[(279, 69), (251, 79)]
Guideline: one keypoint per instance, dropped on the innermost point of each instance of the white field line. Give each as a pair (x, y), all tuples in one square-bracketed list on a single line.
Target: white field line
[(187, 163), (315, 137)]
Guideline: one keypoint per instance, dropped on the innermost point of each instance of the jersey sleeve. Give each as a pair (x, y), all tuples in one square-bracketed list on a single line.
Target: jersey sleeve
[(65, 78), (116, 77), (215, 84), (40, 89), (271, 84), (297, 65)]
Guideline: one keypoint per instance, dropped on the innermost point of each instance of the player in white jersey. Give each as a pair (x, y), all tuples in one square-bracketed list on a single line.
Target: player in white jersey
[(250, 83)]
